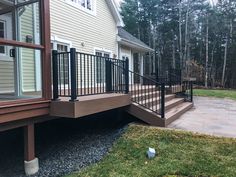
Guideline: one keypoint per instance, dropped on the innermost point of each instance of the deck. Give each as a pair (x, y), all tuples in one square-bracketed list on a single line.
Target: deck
[(88, 105)]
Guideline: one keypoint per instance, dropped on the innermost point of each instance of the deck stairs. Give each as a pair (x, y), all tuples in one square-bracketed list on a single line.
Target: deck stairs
[(146, 105)]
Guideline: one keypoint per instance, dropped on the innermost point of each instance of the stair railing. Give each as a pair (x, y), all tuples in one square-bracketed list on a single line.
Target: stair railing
[(147, 93)]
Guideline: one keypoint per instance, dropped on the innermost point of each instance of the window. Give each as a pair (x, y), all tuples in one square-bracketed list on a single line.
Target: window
[(100, 65), (63, 61), (2, 35), (84, 4), (64, 64)]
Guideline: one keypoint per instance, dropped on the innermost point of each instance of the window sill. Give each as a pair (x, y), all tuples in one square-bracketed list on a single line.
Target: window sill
[(90, 12)]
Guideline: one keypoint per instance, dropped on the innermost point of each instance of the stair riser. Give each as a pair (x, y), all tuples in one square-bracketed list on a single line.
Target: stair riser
[(143, 90), (175, 90), (147, 96), (152, 103), (168, 107), (148, 117), (176, 116)]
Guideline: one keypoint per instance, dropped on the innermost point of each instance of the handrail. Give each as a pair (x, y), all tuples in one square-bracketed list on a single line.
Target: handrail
[(20, 44), (150, 95)]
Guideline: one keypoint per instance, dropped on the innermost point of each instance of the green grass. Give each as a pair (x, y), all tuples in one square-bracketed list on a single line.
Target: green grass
[(179, 154), (215, 93)]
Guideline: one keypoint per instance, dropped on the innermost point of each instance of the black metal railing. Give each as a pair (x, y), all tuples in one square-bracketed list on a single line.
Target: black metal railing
[(150, 95), (187, 90), (174, 76), (80, 74)]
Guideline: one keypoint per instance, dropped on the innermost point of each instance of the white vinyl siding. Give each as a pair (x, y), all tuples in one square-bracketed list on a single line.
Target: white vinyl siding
[(6, 76), (27, 55), (84, 30)]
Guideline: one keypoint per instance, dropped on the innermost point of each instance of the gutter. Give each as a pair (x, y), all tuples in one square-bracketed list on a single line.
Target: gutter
[(131, 43)]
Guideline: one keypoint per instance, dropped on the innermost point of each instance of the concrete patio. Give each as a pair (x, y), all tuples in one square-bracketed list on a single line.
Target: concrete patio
[(213, 116)]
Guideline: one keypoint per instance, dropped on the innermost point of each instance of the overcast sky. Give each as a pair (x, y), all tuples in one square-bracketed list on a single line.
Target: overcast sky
[(212, 1)]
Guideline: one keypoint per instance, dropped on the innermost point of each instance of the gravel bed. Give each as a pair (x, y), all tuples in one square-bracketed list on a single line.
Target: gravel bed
[(61, 150)]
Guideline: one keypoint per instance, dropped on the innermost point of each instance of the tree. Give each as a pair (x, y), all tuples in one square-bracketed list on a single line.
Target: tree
[(184, 30)]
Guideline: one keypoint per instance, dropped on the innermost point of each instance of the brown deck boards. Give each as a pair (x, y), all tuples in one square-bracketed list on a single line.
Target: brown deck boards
[(88, 105)]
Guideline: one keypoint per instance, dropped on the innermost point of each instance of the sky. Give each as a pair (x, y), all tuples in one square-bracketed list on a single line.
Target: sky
[(212, 1)]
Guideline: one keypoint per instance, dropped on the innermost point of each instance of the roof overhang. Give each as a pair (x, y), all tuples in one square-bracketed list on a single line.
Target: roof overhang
[(133, 45), (115, 13)]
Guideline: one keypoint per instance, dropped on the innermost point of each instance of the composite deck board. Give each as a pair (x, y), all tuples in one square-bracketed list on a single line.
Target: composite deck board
[(88, 105)]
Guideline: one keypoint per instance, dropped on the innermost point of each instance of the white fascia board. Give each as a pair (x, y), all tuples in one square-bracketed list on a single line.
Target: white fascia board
[(134, 45)]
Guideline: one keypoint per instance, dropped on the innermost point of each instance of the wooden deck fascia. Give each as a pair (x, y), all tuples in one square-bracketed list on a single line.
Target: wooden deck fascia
[(88, 105)]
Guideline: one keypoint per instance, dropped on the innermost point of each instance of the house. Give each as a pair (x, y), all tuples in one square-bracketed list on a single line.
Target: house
[(94, 27), (92, 60)]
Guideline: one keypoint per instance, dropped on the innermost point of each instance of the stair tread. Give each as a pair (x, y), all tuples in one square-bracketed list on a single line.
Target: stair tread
[(173, 111), (170, 102)]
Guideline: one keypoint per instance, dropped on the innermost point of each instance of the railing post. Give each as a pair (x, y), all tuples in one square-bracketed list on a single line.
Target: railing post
[(126, 75), (157, 77), (180, 77), (55, 75), (170, 77), (162, 100), (191, 91), (73, 74), (108, 76)]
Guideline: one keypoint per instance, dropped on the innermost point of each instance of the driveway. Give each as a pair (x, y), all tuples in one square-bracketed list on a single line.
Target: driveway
[(212, 116)]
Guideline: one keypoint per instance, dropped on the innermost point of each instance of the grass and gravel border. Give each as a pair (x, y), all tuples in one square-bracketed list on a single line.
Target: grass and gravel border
[(179, 154)]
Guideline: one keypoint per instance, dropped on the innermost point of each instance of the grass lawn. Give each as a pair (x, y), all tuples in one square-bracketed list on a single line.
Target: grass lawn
[(215, 93), (179, 154)]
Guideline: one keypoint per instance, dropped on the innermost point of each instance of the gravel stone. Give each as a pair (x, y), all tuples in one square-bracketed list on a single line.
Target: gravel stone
[(61, 150)]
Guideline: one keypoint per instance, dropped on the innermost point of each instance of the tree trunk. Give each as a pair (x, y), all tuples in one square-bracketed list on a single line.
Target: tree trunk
[(173, 54), (225, 62), (180, 35), (186, 35), (207, 52)]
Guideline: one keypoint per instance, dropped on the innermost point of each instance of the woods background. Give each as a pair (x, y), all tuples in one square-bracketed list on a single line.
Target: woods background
[(197, 36)]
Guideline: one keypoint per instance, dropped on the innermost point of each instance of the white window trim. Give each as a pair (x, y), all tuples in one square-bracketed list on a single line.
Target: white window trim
[(102, 50), (91, 12), (56, 40)]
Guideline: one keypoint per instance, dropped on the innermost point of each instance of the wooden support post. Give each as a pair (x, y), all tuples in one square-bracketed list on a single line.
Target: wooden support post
[(29, 146), (31, 162)]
